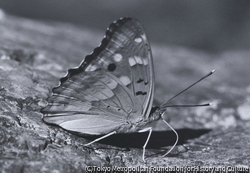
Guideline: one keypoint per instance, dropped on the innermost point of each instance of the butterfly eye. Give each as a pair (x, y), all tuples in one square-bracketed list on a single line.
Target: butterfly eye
[(111, 67)]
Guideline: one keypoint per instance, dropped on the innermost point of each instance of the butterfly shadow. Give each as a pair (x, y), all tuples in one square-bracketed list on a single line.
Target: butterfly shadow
[(158, 139)]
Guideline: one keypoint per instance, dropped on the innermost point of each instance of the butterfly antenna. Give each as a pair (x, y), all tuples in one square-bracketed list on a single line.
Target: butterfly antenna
[(195, 105), (165, 104), (177, 136)]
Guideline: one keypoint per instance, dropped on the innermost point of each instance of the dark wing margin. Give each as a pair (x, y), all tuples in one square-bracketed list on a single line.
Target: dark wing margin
[(89, 58)]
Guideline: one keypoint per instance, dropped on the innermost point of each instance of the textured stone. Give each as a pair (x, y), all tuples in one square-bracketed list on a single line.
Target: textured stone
[(34, 55)]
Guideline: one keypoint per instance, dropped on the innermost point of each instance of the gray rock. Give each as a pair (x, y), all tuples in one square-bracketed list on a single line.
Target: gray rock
[(35, 54)]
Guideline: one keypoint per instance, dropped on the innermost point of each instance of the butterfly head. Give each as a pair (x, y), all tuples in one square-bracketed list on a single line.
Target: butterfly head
[(156, 113)]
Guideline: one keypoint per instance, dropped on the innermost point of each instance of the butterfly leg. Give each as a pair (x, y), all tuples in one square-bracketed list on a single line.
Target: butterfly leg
[(98, 139), (177, 136), (144, 146)]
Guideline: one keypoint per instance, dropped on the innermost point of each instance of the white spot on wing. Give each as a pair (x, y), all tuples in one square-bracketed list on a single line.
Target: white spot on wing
[(143, 36), (138, 40), (108, 93), (145, 61), (125, 80), (117, 57), (112, 84), (131, 61), (138, 59)]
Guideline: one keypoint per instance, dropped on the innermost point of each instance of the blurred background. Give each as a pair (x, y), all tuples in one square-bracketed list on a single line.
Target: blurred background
[(208, 25)]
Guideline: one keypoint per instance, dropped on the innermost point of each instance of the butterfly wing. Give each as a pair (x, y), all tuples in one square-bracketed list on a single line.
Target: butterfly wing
[(125, 52), (112, 86), (89, 102)]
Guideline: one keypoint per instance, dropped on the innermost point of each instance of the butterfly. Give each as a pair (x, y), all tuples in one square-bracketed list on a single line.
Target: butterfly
[(112, 90)]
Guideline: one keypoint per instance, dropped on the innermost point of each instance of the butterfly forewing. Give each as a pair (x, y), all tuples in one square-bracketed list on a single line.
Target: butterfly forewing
[(125, 52), (112, 86)]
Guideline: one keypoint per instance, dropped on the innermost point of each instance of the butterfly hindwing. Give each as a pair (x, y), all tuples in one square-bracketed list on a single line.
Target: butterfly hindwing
[(89, 105), (110, 85)]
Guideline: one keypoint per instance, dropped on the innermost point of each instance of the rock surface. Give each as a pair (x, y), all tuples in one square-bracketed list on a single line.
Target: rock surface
[(35, 54)]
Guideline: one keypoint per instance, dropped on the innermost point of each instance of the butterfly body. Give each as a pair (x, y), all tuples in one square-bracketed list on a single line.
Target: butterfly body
[(111, 90)]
